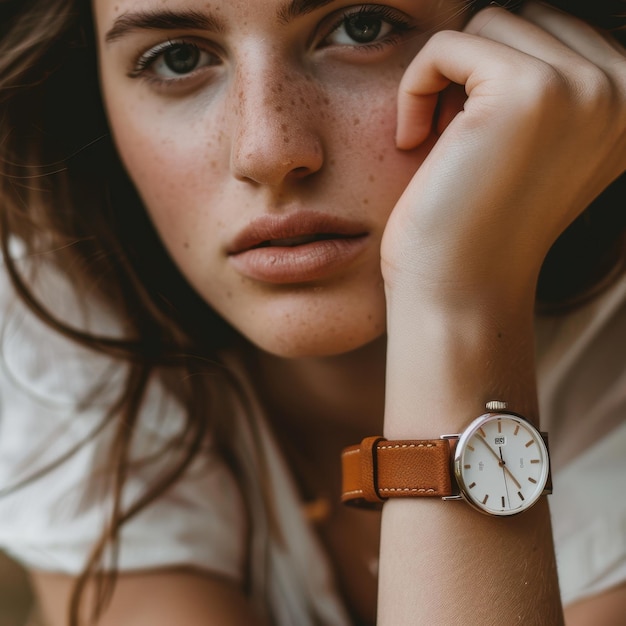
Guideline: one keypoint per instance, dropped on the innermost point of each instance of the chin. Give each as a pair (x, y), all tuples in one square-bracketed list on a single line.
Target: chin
[(311, 322), (308, 349), (316, 340)]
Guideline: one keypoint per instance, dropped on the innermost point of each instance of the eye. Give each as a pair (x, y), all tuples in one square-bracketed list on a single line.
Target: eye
[(367, 25), (174, 60)]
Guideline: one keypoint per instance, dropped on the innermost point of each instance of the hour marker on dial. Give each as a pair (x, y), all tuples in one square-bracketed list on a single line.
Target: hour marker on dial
[(485, 499), (533, 481), (530, 443)]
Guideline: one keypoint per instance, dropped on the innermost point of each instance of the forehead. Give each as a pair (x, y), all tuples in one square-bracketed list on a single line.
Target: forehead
[(281, 10)]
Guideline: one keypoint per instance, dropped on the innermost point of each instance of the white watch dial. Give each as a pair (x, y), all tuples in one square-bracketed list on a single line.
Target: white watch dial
[(501, 464)]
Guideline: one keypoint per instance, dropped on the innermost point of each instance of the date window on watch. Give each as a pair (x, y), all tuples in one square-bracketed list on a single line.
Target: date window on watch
[(500, 440)]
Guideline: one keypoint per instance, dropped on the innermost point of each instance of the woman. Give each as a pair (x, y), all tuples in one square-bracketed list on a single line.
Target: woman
[(336, 223)]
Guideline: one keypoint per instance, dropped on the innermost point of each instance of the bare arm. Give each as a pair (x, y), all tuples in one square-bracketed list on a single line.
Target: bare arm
[(460, 258), (160, 598), (443, 562), (605, 609)]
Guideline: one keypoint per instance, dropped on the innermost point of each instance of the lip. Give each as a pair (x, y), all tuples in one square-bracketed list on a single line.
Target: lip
[(296, 247)]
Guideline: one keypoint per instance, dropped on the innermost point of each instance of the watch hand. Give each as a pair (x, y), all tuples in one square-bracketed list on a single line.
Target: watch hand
[(506, 486), (501, 462), (507, 470)]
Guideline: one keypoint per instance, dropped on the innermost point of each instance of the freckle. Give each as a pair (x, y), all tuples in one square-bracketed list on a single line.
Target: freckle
[(229, 295), (332, 162), (326, 101), (357, 121), (366, 201), (186, 245), (381, 157), (213, 164), (283, 127), (302, 100), (372, 178), (293, 103), (285, 139)]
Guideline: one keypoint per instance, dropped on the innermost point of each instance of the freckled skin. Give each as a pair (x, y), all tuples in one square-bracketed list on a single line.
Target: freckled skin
[(281, 127)]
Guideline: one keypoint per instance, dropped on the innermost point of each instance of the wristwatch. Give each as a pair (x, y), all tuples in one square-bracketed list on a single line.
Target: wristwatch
[(499, 464)]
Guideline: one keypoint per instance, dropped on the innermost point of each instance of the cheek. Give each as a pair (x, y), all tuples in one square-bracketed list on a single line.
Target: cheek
[(368, 166), (172, 161)]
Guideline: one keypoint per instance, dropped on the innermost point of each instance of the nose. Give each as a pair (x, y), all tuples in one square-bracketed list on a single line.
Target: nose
[(275, 134)]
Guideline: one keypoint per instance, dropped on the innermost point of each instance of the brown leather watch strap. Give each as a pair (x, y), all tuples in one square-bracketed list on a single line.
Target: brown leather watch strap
[(378, 469)]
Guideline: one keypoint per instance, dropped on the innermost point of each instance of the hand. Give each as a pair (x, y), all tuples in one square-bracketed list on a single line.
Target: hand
[(542, 132)]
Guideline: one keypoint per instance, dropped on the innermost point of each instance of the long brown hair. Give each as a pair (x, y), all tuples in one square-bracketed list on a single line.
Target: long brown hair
[(64, 193)]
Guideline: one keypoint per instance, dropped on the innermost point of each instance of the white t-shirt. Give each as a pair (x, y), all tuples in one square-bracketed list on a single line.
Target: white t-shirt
[(51, 522)]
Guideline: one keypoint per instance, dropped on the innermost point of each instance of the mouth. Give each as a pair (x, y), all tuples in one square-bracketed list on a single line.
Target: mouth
[(294, 230), (297, 248), (302, 240)]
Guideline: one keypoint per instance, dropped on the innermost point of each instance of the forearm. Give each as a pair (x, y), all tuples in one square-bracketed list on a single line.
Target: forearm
[(443, 562)]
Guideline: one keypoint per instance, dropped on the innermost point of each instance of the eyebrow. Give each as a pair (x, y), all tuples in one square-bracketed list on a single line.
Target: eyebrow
[(296, 8), (162, 20), (184, 20)]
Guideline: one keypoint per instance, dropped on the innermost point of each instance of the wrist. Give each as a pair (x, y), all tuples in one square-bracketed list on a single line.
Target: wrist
[(444, 364)]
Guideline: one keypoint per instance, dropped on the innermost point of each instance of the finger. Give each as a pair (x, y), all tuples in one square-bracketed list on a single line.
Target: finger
[(546, 33), (573, 32), (416, 112), (520, 34), (482, 65), (591, 68)]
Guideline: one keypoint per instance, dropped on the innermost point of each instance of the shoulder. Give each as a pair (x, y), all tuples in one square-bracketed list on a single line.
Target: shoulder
[(56, 398)]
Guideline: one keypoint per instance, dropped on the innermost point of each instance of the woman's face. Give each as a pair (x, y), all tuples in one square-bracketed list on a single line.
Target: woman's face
[(260, 135)]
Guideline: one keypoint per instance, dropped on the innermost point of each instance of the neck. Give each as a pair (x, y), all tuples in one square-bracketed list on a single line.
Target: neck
[(341, 394)]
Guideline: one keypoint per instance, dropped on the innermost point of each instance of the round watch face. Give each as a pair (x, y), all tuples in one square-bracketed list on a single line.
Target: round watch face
[(501, 464)]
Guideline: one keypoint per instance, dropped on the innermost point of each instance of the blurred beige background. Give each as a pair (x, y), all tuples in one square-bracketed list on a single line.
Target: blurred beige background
[(15, 594)]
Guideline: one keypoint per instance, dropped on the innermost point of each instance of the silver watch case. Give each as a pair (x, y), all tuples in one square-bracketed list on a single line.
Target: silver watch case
[(501, 464)]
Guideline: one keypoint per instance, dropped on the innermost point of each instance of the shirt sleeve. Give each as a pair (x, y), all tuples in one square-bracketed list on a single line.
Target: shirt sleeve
[(590, 531), (51, 514), (582, 385)]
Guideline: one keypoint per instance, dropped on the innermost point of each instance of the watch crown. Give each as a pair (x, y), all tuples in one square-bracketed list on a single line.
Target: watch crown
[(496, 405)]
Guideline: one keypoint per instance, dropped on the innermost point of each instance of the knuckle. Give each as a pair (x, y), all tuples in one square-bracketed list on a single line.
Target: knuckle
[(441, 38), (544, 85), (594, 88)]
